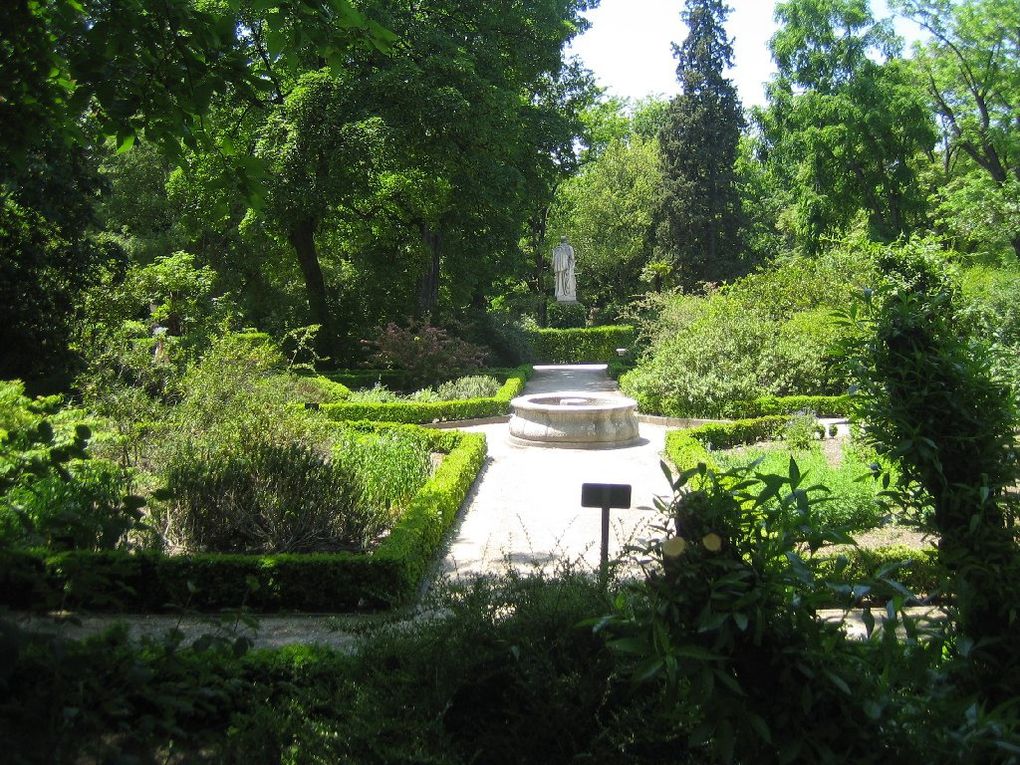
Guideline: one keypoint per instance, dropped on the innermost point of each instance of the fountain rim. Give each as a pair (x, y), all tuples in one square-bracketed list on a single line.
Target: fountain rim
[(601, 402)]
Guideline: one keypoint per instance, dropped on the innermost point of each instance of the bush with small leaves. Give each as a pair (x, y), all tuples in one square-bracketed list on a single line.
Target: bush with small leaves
[(263, 498)]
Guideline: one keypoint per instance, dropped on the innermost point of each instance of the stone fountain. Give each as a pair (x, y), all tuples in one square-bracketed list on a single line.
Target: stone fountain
[(574, 420)]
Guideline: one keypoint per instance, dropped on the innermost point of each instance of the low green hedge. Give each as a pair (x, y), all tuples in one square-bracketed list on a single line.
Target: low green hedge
[(435, 411), (394, 379), (326, 582), (571, 346), (917, 570), (822, 406), (686, 448)]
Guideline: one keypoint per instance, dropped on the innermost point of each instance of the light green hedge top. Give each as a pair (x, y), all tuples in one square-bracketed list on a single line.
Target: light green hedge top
[(434, 411), (822, 406)]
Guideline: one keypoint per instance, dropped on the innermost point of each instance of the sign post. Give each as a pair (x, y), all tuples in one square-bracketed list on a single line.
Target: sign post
[(605, 496)]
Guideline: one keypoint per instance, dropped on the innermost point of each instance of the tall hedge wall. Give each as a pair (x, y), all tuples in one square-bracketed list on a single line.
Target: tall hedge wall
[(320, 582), (585, 344)]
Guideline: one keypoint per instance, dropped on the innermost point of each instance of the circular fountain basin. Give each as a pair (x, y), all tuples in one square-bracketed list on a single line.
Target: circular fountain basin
[(574, 419)]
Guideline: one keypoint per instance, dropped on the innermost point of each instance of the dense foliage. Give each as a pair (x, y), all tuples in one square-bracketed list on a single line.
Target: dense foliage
[(205, 206)]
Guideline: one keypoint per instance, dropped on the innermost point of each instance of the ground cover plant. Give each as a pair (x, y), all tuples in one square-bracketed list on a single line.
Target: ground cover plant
[(853, 502)]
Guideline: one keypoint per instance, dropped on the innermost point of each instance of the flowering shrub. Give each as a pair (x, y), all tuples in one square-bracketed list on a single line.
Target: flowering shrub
[(427, 353)]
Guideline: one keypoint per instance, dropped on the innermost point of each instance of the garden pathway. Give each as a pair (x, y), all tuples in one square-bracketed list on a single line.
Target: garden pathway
[(525, 509)]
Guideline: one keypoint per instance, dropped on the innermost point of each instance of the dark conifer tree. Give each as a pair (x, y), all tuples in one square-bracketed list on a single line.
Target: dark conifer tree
[(700, 217)]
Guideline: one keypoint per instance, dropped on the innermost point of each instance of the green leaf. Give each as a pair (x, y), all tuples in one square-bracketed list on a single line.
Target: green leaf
[(838, 681), (691, 651), (124, 142), (636, 646)]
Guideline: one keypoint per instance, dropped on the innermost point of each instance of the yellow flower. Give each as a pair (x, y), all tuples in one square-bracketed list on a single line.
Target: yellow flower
[(712, 542), (674, 547)]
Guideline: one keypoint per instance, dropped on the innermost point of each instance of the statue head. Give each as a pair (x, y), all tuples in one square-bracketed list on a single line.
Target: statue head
[(563, 239)]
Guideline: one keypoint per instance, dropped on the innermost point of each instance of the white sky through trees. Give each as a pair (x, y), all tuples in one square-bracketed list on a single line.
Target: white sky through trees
[(629, 45)]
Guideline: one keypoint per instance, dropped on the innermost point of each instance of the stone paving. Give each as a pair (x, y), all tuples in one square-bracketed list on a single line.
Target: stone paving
[(525, 509)]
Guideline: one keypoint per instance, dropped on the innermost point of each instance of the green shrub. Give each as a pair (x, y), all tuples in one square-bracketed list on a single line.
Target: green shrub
[(824, 406), (930, 398), (705, 354), (882, 568), (377, 394), (389, 466), (51, 490), (723, 629), (689, 447), (264, 498), (475, 386), (572, 346), (86, 509), (360, 379), (801, 430), (565, 315), (312, 389)]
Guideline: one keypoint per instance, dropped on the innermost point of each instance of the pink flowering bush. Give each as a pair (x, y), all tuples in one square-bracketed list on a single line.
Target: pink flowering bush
[(428, 354)]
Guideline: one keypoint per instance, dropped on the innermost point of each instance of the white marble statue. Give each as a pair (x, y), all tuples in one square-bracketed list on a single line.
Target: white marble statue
[(563, 266)]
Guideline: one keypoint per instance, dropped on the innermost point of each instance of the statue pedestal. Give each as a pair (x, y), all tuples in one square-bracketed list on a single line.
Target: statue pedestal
[(567, 300)]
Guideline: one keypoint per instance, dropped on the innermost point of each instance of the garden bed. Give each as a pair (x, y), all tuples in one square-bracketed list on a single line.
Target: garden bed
[(879, 555), (389, 575), (434, 411)]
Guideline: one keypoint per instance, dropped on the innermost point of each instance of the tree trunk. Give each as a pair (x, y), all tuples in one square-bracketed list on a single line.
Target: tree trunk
[(538, 229), (428, 284), (302, 238)]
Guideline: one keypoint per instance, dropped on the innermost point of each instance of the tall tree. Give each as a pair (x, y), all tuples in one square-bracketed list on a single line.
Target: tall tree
[(700, 229), (971, 69), (845, 123)]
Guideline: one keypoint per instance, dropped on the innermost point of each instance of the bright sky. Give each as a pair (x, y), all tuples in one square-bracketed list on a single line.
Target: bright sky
[(629, 45)]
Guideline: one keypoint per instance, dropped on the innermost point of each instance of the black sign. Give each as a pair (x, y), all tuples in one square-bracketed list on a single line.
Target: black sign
[(605, 495)]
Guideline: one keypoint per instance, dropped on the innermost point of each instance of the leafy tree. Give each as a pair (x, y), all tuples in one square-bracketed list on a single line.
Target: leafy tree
[(607, 212), (845, 123), (468, 165), (73, 74), (971, 70), (139, 67), (701, 217), (320, 157)]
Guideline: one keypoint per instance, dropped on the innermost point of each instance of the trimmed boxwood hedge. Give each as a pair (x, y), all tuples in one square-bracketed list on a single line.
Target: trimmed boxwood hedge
[(917, 570), (322, 582), (686, 448), (435, 411), (920, 572), (584, 344), (822, 406)]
